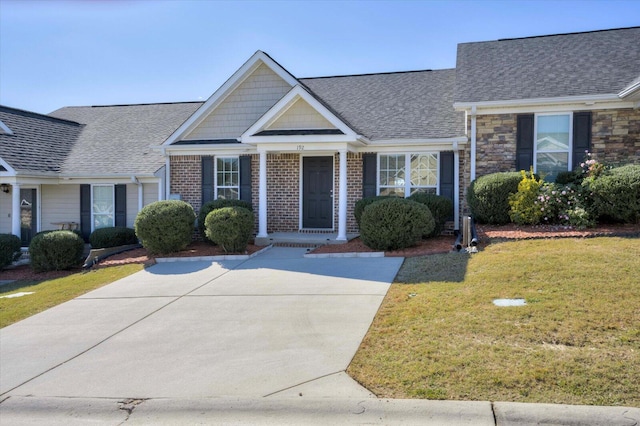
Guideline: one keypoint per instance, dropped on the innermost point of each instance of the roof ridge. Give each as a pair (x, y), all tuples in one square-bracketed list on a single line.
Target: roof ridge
[(377, 73), (566, 34), (38, 115), (134, 104)]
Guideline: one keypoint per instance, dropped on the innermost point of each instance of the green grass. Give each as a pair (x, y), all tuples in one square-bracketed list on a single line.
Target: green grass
[(50, 293), (576, 342)]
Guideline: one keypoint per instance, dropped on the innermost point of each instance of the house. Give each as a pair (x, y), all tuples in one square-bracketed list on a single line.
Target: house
[(304, 150), (82, 167)]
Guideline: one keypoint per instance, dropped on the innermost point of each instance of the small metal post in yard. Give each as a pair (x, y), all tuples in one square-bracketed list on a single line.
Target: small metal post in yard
[(467, 235)]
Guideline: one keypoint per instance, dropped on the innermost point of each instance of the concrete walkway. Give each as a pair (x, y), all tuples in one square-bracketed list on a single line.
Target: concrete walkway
[(258, 341)]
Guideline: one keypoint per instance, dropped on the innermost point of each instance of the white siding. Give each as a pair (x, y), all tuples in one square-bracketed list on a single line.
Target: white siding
[(5, 213), (150, 194), (301, 115), (132, 204), (59, 203), (259, 92)]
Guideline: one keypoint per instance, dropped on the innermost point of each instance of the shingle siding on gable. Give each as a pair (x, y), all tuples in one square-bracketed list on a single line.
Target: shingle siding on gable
[(301, 116), (259, 92)]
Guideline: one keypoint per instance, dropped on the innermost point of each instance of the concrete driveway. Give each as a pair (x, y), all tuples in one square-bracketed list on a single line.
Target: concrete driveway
[(274, 325)]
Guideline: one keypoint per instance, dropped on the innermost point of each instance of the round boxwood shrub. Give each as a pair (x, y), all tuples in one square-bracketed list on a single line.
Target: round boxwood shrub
[(9, 249), (230, 228), (112, 237), (615, 195), (441, 209), (210, 206), (395, 223), (361, 204), (165, 226), (55, 251), (488, 197)]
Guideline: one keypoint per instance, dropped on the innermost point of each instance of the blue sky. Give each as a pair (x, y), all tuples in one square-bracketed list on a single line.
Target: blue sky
[(99, 52)]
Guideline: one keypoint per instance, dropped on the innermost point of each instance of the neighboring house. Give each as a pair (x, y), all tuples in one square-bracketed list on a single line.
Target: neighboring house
[(84, 167), (303, 150)]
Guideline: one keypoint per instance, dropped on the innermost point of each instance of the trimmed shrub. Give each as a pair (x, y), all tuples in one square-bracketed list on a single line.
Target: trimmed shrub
[(570, 178), (165, 226), (9, 249), (361, 204), (524, 203), (112, 237), (615, 195), (55, 251), (395, 223), (230, 228), (488, 197), (441, 209), (210, 206)]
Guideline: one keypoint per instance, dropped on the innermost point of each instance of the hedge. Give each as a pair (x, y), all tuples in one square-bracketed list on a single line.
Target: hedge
[(56, 251), (165, 226)]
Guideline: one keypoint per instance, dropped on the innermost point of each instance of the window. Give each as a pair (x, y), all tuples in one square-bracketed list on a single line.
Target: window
[(405, 174), (552, 144), (227, 178), (102, 206)]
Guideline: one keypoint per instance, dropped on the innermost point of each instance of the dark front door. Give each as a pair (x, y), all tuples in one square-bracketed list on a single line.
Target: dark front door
[(317, 192), (28, 215)]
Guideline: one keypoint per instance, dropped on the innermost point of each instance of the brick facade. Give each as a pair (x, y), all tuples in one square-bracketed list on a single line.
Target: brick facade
[(186, 179), (283, 192)]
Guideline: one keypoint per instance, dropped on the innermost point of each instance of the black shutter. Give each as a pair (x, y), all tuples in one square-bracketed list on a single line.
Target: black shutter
[(581, 136), (85, 211), (245, 178), (524, 142), (207, 179), (369, 175), (447, 188), (121, 205)]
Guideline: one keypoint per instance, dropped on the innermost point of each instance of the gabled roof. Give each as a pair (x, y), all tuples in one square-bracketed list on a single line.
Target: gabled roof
[(36, 144), (401, 105), (118, 139), (577, 64)]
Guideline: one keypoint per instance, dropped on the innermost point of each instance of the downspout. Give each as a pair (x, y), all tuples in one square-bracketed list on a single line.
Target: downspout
[(167, 178), (456, 186), (137, 182), (473, 143)]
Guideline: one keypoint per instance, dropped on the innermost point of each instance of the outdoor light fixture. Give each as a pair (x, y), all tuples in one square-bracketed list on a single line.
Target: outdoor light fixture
[(5, 188)]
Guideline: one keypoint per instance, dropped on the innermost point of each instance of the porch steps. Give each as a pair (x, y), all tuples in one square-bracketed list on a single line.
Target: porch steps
[(301, 239)]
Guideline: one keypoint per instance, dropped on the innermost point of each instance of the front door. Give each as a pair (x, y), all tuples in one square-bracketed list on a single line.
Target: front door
[(28, 215), (317, 192)]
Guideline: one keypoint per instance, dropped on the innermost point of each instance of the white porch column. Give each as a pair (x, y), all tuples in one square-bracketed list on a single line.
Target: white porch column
[(262, 197), (456, 189), (342, 197), (15, 209)]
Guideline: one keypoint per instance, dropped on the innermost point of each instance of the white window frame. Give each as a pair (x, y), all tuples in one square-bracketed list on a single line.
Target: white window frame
[(407, 172), (215, 175), (535, 138), (113, 197)]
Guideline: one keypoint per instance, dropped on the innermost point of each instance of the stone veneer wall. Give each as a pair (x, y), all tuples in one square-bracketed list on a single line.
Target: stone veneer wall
[(495, 143), (615, 136)]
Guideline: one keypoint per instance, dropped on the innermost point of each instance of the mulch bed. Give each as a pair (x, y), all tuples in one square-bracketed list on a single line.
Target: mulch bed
[(442, 244)]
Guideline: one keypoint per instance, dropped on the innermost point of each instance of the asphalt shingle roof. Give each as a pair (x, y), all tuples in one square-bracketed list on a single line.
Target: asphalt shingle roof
[(592, 63), (117, 139), (39, 143), (403, 105)]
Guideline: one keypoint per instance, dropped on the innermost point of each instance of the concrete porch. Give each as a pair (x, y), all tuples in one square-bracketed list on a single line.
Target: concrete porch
[(301, 239)]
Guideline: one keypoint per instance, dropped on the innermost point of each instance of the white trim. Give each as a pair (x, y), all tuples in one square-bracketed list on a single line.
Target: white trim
[(227, 149), (577, 103), (474, 131), (456, 189), (15, 210), (227, 88), (342, 196), (5, 129), (113, 195), (262, 196), (10, 170), (283, 105), (407, 171), (535, 138), (215, 174), (629, 90), (418, 141)]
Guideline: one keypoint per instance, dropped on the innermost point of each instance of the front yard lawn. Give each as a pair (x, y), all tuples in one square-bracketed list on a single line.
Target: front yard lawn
[(577, 341), (49, 293)]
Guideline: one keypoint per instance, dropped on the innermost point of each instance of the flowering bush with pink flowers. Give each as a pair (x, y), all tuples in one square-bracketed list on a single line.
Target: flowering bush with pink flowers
[(564, 205)]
